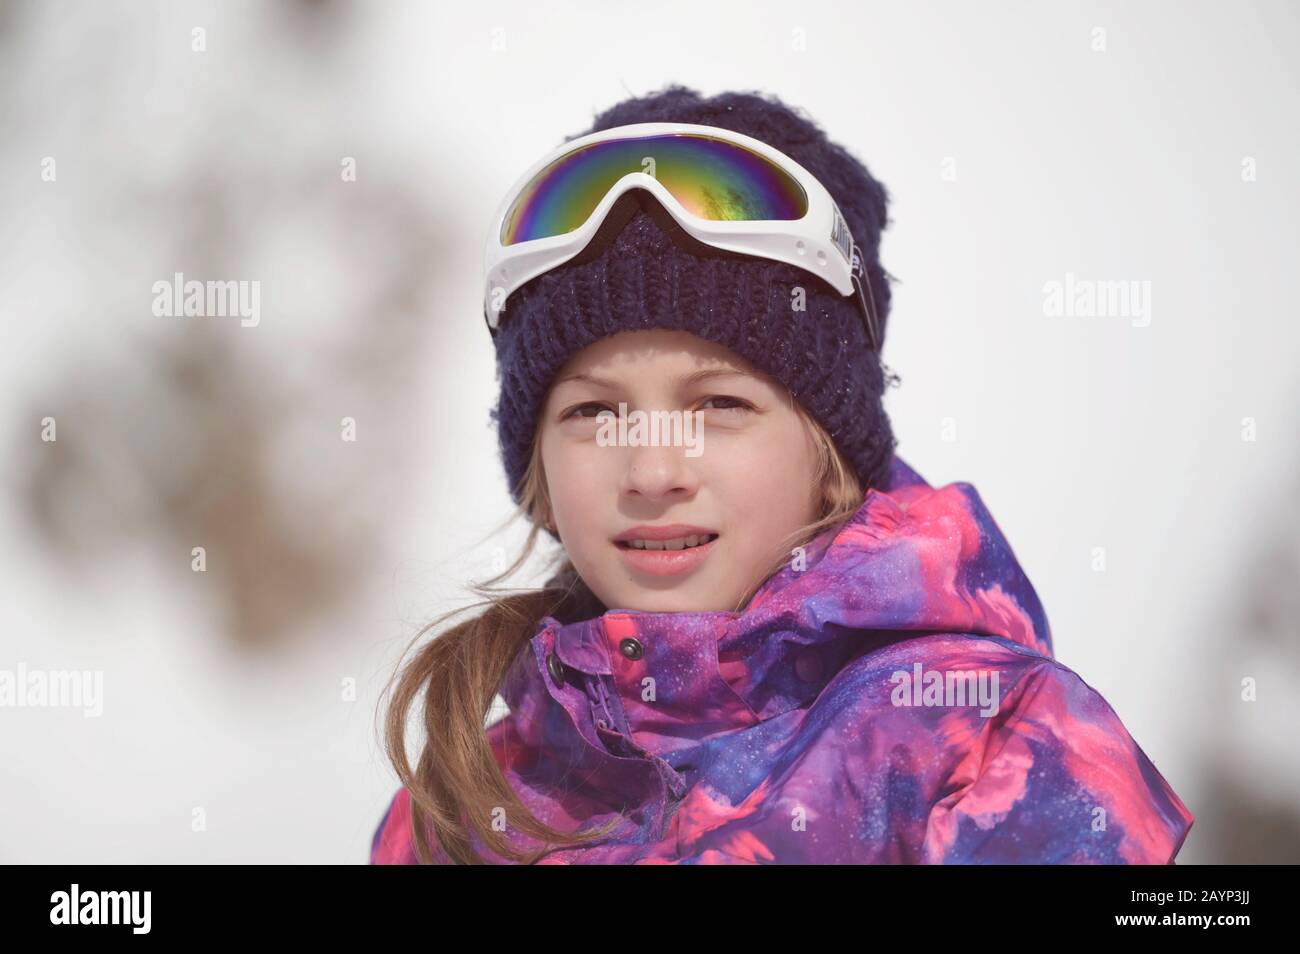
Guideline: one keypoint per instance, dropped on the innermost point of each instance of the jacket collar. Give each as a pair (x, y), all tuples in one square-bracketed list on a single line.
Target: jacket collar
[(912, 560)]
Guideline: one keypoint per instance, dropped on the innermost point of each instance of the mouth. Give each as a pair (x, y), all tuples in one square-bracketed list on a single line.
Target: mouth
[(674, 556), (686, 542)]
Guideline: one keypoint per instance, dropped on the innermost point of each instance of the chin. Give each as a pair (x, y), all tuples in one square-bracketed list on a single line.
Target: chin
[(655, 601)]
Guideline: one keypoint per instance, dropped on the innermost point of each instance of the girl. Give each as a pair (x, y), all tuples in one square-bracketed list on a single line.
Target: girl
[(777, 644)]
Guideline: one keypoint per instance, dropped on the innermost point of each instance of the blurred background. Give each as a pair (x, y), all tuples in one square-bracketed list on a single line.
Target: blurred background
[(335, 460)]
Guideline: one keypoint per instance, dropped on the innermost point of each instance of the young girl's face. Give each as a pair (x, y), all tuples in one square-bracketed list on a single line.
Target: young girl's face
[(746, 475)]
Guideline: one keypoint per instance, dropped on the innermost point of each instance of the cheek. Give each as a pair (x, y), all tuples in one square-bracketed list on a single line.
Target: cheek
[(770, 503), (769, 477), (766, 487), (573, 480)]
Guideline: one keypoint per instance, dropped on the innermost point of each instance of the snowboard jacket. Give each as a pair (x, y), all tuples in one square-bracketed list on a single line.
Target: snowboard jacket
[(890, 695)]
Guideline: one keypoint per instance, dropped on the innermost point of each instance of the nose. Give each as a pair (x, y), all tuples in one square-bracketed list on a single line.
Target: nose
[(658, 471)]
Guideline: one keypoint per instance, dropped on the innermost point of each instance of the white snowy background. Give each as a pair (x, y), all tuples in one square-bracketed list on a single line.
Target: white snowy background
[(1020, 141)]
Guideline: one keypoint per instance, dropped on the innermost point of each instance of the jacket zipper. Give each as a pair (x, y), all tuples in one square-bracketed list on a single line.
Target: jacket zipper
[(599, 698)]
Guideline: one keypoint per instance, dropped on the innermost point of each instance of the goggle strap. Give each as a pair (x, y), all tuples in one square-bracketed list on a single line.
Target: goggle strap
[(866, 300)]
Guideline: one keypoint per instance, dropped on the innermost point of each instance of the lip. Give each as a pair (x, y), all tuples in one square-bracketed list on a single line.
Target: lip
[(668, 531), (665, 562)]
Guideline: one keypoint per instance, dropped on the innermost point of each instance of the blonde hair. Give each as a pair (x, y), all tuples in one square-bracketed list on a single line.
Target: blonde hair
[(457, 784)]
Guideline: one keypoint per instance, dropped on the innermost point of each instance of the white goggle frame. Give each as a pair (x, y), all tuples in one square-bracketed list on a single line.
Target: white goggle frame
[(819, 242)]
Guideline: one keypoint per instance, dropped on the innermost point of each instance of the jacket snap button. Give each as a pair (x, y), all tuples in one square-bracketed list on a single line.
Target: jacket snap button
[(630, 648), (555, 668), (808, 666)]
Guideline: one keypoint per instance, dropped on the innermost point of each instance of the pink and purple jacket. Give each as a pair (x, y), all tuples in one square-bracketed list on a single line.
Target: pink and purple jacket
[(889, 696)]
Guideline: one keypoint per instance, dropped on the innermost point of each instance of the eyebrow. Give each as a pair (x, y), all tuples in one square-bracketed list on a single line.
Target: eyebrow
[(684, 380)]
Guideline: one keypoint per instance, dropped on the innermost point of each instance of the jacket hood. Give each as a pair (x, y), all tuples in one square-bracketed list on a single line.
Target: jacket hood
[(912, 560)]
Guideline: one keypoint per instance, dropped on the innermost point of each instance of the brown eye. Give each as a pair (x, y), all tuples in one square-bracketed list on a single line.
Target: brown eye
[(593, 406), (737, 403)]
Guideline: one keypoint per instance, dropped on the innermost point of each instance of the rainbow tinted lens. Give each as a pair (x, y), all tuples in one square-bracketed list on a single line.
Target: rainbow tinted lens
[(712, 178)]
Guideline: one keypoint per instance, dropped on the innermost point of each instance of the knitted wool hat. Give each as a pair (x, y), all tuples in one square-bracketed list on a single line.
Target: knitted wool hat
[(652, 276)]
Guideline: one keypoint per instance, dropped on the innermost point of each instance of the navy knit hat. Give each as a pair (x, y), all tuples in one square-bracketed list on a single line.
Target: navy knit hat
[(642, 272)]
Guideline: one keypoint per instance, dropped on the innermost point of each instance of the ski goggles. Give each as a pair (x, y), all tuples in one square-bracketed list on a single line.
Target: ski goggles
[(728, 191)]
